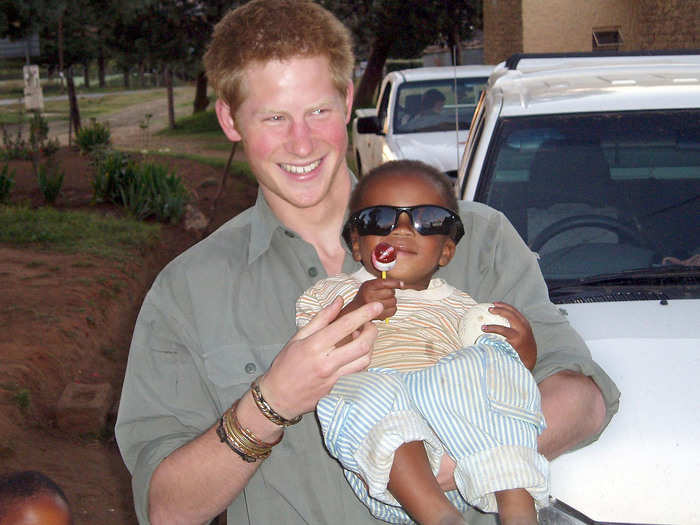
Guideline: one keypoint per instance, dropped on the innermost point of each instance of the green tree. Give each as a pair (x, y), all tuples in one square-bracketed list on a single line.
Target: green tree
[(400, 29)]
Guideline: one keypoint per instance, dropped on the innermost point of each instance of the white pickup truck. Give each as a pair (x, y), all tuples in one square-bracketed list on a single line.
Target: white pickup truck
[(422, 113), (596, 162)]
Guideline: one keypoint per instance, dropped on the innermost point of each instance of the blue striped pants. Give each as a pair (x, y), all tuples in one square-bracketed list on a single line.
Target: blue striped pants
[(479, 404)]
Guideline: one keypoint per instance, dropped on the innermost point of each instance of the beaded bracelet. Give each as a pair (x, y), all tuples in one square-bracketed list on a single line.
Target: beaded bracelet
[(267, 410), (242, 440)]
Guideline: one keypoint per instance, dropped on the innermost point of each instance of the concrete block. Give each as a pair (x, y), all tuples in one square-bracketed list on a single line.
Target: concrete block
[(83, 408)]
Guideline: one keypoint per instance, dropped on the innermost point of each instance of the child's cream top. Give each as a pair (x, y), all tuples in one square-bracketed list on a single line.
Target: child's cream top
[(424, 329)]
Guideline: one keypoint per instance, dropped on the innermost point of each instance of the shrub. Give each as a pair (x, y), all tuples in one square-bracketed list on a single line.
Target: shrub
[(145, 189), (154, 191), (7, 181), (113, 171), (93, 136), (38, 131), (14, 148), (50, 178)]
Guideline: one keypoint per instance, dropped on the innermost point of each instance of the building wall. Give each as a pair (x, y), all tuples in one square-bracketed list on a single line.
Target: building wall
[(669, 24), (546, 26), (567, 25), (503, 29)]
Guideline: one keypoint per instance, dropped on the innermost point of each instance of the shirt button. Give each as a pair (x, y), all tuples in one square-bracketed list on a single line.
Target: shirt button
[(288, 233), (250, 368), (313, 272)]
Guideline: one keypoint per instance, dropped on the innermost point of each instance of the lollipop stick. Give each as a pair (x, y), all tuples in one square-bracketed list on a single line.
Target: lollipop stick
[(384, 277)]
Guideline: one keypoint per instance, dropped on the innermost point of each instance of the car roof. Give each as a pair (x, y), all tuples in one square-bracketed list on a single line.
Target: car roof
[(437, 72), (557, 83)]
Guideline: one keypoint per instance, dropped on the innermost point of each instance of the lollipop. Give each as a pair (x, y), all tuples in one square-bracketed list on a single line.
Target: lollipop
[(384, 259)]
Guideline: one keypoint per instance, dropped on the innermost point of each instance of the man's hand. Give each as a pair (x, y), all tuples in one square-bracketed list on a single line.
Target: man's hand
[(380, 290), (309, 365), (519, 335)]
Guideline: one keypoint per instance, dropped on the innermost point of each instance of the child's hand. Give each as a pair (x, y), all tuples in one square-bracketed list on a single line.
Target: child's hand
[(519, 335), (381, 290)]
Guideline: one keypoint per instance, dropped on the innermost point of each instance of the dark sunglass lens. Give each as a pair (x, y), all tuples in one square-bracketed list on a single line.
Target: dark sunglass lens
[(378, 220), (431, 220)]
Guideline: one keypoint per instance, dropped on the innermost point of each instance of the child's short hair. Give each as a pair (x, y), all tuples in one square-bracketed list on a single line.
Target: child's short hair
[(429, 173), (264, 30), (24, 485)]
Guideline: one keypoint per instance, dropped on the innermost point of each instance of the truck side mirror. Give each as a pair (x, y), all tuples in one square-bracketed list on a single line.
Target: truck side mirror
[(368, 125)]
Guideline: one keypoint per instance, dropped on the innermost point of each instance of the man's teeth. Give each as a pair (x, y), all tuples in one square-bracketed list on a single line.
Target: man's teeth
[(301, 170)]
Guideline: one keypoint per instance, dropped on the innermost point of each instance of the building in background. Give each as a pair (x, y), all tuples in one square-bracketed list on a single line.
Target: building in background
[(547, 26)]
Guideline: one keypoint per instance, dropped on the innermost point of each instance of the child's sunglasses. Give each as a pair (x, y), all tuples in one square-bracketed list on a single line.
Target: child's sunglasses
[(426, 219)]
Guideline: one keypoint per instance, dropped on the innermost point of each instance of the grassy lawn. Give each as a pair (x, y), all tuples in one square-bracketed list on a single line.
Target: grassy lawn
[(75, 232)]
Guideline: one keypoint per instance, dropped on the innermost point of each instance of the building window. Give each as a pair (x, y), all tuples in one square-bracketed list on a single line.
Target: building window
[(607, 38)]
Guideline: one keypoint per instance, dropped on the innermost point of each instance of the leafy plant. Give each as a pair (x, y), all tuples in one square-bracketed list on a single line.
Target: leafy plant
[(93, 136), (50, 177), (14, 147), (144, 189), (113, 171), (38, 131), (7, 181)]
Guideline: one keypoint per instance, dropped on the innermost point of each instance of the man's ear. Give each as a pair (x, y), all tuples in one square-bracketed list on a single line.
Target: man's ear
[(223, 113), (448, 251), (349, 94), (355, 245)]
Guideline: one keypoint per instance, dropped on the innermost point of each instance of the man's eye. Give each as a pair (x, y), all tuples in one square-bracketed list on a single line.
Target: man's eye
[(275, 118)]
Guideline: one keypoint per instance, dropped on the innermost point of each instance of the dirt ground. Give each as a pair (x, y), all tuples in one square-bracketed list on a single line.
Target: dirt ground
[(68, 318)]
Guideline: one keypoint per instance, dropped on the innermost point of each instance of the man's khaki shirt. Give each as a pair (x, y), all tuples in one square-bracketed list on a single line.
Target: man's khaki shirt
[(218, 314)]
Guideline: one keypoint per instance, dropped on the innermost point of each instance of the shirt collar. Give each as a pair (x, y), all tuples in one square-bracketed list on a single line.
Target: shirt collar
[(264, 223)]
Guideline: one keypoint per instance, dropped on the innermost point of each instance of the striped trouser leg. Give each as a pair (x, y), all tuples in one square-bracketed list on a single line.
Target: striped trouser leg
[(364, 419), (485, 406)]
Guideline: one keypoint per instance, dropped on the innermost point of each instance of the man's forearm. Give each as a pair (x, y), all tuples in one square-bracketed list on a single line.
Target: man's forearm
[(199, 480)]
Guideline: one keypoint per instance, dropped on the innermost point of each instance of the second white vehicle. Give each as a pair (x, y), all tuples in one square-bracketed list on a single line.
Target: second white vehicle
[(422, 113)]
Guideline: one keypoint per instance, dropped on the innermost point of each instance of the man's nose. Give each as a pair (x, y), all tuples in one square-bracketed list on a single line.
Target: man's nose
[(299, 141)]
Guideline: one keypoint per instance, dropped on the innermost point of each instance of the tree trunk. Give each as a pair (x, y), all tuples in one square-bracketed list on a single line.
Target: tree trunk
[(201, 100), (86, 75), (101, 75), (142, 74), (168, 72), (364, 96), (72, 100), (125, 72)]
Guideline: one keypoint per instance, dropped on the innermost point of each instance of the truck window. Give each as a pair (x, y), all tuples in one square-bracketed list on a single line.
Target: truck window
[(437, 105)]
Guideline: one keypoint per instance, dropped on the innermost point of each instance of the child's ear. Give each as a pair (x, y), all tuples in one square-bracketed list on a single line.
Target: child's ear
[(448, 251), (355, 245)]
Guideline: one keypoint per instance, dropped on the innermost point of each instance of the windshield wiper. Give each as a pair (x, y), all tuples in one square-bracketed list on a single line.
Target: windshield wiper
[(660, 275)]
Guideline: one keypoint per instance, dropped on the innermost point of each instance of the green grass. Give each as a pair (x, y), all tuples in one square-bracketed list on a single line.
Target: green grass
[(75, 232), (239, 169), (204, 122)]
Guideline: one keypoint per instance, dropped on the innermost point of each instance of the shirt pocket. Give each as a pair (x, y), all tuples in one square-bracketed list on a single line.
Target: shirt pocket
[(510, 387), (228, 366)]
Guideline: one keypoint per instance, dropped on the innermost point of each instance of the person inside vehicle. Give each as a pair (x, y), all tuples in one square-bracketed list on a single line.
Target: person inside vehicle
[(215, 350), (387, 425), (430, 114), (32, 498)]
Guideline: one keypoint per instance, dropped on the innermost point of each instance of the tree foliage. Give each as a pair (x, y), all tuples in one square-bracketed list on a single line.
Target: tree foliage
[(401, 29)]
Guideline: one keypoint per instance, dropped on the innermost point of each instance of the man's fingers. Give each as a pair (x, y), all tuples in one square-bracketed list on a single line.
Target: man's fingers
[(322, 319), (339, 329)]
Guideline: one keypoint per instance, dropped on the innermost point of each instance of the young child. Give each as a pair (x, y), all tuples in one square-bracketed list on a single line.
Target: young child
[(429, 390), (32, 498)]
